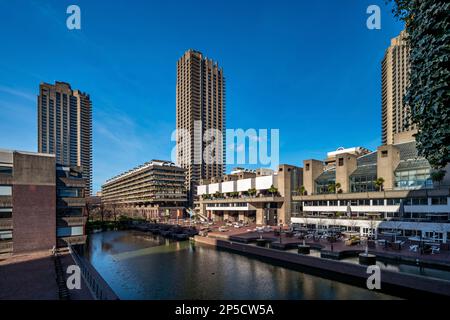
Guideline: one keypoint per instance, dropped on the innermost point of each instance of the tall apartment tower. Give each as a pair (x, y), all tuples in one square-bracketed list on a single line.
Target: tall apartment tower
[(65, 127), (394, 81), (200, 118)]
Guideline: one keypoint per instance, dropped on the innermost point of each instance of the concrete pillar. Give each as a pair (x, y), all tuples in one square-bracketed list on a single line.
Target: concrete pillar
[(388, 158), (260, 216), (345, 165), (311, 170), (285, 188)]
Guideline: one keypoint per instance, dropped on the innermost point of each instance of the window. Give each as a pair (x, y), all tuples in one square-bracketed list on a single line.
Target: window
[(70, 212), (378, 202), (69, 192), (5, 213), (69, 231), (439, 200), (5, 235), (413, 179), (5, 190), (384, 154), (307, 167), (393, 202), (341, 162), (364, 202), (6, 170), (419, 201), (363, 183)]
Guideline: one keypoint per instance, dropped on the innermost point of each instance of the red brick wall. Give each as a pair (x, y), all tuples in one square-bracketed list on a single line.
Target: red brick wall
[(34, 218)]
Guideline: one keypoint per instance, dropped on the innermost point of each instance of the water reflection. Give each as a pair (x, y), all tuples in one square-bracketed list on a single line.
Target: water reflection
[(141, 266), (407, 268)]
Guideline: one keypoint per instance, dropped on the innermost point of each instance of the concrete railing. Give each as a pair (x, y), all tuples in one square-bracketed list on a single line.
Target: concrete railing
[(97, 285), (6, 246), (6, 223)]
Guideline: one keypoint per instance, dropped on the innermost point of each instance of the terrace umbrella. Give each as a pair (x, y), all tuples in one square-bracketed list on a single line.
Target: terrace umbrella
[(401, 209), (349, 210)]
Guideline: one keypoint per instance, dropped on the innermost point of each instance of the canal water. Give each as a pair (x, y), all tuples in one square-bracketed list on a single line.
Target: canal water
[(142, 266)]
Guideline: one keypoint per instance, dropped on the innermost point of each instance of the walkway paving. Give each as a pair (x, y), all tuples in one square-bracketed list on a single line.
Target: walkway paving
[(28, 277), (33, 277)]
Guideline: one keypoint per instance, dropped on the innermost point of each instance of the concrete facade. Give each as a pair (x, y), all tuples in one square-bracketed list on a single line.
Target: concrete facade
[(65, 127), (222, 201), (154, 190), (395, 77), (200, 108), (33, 202), (32, 211)]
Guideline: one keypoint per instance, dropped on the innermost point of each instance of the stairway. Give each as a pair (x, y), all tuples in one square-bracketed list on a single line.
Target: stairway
[(192, 214), (63, 291)]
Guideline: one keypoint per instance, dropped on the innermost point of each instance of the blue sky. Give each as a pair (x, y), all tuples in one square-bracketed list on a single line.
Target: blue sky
[(308, 68)]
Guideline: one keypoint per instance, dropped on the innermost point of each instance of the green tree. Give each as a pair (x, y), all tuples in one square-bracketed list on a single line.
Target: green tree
[(379, 183), (302, 190), (252, 192), (438, 176), (272, 190), (332, 187), (428, 94)]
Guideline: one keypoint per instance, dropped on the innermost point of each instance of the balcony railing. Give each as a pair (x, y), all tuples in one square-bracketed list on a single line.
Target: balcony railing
[(74, 240), (6, 246), (6, 224), (5, 201), (342, 217), (70, 221)]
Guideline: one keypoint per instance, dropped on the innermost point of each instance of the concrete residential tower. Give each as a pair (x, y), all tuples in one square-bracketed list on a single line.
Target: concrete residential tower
[(65, 127), (395, 77), (200, 118)]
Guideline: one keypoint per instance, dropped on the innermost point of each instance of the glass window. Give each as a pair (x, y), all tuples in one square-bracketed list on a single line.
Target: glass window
[(69, 192), (413, 179), (5, 190), (364, 202), (5, 235), (393, 202), (363, 183), (7, 170), (5, 213), (70, 212), (378, 202), (419, 201), (439, 200), (70, 231)]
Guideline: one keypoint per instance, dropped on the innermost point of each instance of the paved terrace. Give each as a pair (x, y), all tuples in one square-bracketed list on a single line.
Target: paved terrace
[(33, 277), (247, 234)]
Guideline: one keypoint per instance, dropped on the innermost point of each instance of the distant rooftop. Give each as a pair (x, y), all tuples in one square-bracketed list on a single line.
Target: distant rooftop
[(152, 163)]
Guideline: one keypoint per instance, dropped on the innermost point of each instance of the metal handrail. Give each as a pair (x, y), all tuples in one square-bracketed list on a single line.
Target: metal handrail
[(97, 285)]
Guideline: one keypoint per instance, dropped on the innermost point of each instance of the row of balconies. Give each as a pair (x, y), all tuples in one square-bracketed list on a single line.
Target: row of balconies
[(243, 185), (145, 181)]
